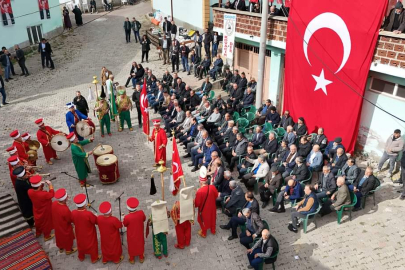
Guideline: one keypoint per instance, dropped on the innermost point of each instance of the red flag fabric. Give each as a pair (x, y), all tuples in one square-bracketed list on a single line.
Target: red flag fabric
[(328, 50), (177, 170), (286, 4), (144, 109)]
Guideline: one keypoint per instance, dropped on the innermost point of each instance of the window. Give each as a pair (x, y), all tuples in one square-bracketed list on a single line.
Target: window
[(382, 86), (34, 34), (388, 88), (401, 91)]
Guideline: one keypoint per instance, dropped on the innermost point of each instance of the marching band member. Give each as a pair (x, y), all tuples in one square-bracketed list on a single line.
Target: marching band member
[(134, 222), (19, 144), (183, 230), (109, 227), (73, 116), (102, 108), (14, 162), (205, 200), (26, 138), (22, 186), (44, 136), (62, 221), (42, 206), (124, 105), (160, 139), (79, 157), (85, 230)]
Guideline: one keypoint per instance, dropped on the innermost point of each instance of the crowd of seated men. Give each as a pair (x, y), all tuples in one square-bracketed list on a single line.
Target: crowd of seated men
[(279, 168)]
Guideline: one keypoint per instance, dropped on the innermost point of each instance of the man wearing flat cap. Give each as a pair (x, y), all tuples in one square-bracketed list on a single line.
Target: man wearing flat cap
[(395, 22)]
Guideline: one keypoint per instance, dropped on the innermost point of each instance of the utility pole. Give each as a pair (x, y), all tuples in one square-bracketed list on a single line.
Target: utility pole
[(171, 5), (262, 53)]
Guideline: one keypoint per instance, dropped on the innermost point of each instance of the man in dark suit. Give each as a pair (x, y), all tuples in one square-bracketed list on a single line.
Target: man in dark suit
[(221, 181), (193, 101), (258, 138), (231, 140), (300, 171), (262, 112), (167, 78), (204, 66), (364, 183), (239, 5), (234, 79), (269, 146), (273, 117), (217, 66), (205, 88), (320, 139), (235, 201), (287, 163), (45, 49), (21, 60), (272, 183), (395, 22), (132, 74), (167, 27), (236, 94), (350, 171), (245, 164), (338, 161), (243, 81), (248, 100), (207, 39), (325, 186)]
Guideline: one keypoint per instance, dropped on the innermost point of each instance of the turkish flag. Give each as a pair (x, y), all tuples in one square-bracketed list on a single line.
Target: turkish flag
[(144, 109), (330, 46), (177, 170)]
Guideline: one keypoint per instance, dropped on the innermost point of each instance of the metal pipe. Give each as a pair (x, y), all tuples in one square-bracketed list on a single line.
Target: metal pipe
[(262, 53)]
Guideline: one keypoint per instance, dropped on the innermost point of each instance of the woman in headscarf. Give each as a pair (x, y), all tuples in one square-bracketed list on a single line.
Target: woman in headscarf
[(78, 16), (66, 18)]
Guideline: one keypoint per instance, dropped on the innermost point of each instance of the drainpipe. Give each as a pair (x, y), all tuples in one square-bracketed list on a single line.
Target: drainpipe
[(262, 53)]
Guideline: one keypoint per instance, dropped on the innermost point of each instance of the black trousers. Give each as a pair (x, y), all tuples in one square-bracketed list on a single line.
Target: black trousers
[(128, 35), (138, 109), (24, 69), (175, 63), (46, 57), (145, 54)]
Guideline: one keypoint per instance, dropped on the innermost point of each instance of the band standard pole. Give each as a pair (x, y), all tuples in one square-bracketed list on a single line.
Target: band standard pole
[(262, 54), (163, 186)]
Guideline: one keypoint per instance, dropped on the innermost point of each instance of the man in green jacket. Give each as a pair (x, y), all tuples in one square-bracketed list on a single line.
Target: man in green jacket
[(79, 157)]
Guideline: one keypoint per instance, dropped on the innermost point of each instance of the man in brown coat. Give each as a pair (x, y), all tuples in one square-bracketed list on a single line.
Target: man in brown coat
[(273, 182), (395, 22), (339, 198)]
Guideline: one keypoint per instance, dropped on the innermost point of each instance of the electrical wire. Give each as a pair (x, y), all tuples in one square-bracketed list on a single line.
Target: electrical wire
[(335, 75)]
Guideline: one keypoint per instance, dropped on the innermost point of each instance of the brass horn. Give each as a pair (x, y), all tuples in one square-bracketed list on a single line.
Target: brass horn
[(34, 145)]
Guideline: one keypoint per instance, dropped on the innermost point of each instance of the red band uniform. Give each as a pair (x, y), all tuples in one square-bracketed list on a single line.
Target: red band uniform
[(85, 229), (160, 139), (134, 222), (62, 221), (19, 144), (44, 136), (109, 226), (42, 206), (183, 230)]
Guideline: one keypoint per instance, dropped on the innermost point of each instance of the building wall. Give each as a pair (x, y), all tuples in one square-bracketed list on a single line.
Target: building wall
[(375, 125), (17, 33), (187, 13)]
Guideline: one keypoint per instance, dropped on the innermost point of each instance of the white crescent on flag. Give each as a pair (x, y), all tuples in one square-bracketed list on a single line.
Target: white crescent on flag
[(177, 167), (143, 102)]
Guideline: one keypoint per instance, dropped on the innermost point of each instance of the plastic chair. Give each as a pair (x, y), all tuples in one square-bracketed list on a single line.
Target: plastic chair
[(310, 217), (371, 192), (267, 127), (223, 204), (242, 123), (308, 179), (280, 132), (347, 206), (253, 109), (250, 116), (256, 186), (211, 96), (266, 225), (271, 257), (235, 116)]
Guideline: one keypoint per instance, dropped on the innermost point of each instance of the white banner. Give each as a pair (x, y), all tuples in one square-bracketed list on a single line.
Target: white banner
[(229, 35)]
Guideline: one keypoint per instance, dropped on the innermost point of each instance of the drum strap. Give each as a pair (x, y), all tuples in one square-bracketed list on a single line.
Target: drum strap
[(47, 134)]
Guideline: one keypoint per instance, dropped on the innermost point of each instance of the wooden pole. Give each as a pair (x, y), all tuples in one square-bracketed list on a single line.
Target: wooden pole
[(184, 181), (96, 91)]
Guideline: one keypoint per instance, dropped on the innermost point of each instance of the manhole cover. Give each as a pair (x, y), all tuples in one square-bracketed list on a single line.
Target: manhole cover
[(100, 19)]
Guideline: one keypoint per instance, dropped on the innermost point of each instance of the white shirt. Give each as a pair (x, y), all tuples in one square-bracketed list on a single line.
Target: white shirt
[(43, 47)]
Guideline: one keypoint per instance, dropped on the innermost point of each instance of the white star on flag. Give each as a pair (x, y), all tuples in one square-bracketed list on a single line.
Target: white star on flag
[(321, 82)]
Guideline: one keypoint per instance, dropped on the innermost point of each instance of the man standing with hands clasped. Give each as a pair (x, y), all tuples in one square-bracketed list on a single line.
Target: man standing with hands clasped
[(42, 206), (127, 29)]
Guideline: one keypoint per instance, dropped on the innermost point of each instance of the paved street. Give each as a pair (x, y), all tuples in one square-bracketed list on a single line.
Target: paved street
[(372, 240)]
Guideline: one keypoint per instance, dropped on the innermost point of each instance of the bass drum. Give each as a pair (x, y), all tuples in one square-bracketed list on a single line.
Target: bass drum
[(60, 143), (107, 166), (85, 128), (102, 150)]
